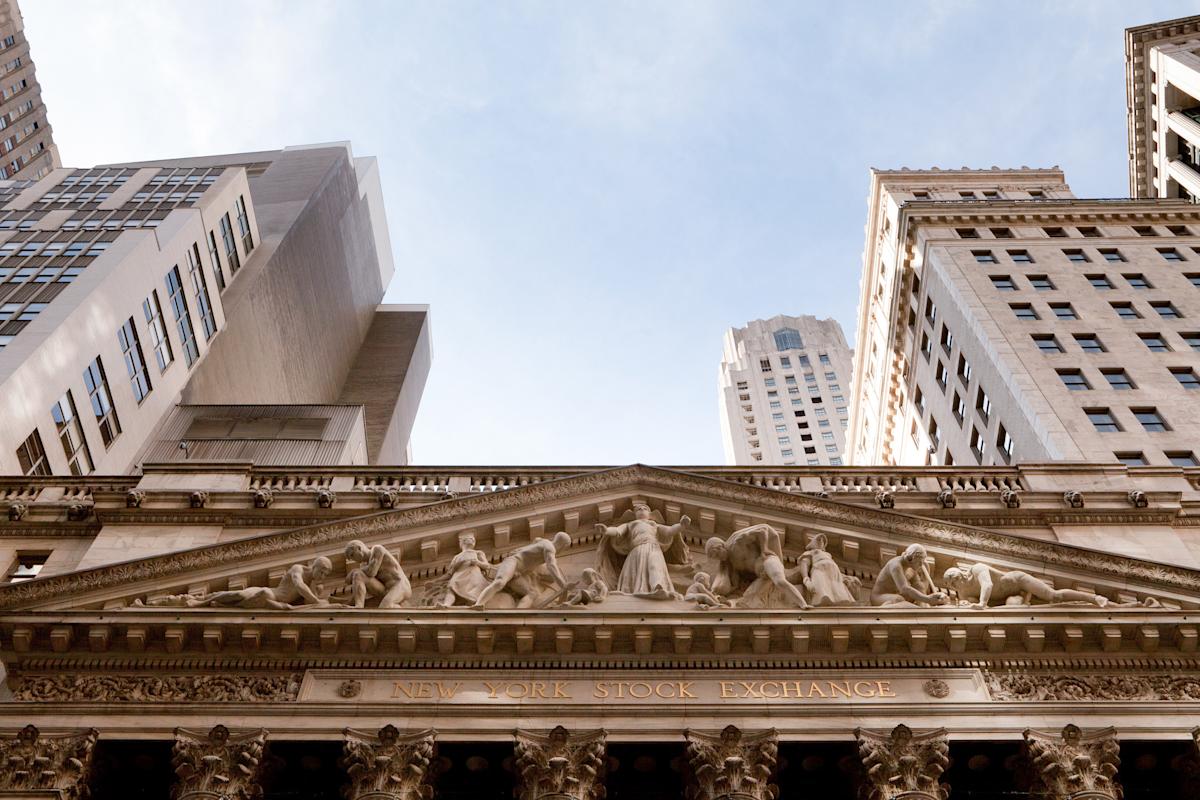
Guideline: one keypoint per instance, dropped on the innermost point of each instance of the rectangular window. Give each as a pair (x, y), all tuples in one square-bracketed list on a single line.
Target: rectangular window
[(1117, 378), (770, 381), (1154, 341), (208, 320), (1090, 343), (1170, 254), (101, 399), (1064, 310), (1179, 230), (1138, 281), (1047, 343), (983, 404), (70, 433), (1102, 420), (1056, 233), (1076, 256), (977, 443), (27, 567), (942, 375), (785, 362), (1041, 283), (1002, 233), (1186, 376), (1125, 310), (1151, 420), (984, 256), (1194, 277), (1023, 310), (1090, 233), (1183, 458), (964, 368), (215, 257), (1192, 340), (967, 233), (824, 359), (1135, 458), (1112, 255), (1020, 256), (930, 311), (1004, 283), (1166, 309), (926, 347), (231, 252), (1004, 444), (764, 364), (959, 407), (183, 317), (1073, 379), (243, 220), (135, 364), (32, 456), (1144, 230)]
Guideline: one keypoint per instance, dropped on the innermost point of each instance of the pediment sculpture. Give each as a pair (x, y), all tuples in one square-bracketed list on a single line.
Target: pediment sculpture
[(636, 554)]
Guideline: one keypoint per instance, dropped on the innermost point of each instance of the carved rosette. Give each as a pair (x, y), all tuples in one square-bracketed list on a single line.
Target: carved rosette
[(55, 765), (217, 765), (388, 766), (560, 765), (902, 765), (1074, 765), (732, 765)]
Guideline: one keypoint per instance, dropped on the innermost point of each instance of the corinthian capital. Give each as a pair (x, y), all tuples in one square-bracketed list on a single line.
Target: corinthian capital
[(559, 765), (732, 764), (1074, 765), (217, 764), (388, 766), (57, 765), (902, 764)]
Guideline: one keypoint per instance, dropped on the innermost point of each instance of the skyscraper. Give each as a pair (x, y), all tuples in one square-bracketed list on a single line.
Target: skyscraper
[(130, 289), (27, 150), (783, 386), (1001, 319)]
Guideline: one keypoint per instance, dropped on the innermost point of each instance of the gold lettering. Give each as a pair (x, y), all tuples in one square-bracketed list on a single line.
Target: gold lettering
[(447, 692), (401, 688), (842, 688), (727, 690), (493, 689), (765, 685), (885, 688), (795, 687), (868, 692), (645, 689), (814, 689), (750, 690), (685, 689), (538, 689), (600, 689), (664, 689), (560, 689)]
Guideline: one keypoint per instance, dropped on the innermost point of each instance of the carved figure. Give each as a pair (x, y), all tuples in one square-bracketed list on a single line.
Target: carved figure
[(981, 585), (559, 766), (470, 572), (700, 592), (752, 556), (905, 581), (1073, 498), (263, 497), (590, 590), (198, 499), (901, 765), (79, 512), (732, 765), (326, 498), (293, 591), (50, 766), (1011, 498), (389, 766), (633, 556), (17, 511), (134, 498), (378, 574), (516, 573), (821, 576), (947, 498), (217, 764), (1075, 764)]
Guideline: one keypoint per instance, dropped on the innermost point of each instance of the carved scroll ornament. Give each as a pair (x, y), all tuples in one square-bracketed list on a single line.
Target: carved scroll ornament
[(901, 765), (54, 765), (559, 765), (1074, 765), (217, 765), (732, 765), (1058, 687), (388, 766), (155, 689)]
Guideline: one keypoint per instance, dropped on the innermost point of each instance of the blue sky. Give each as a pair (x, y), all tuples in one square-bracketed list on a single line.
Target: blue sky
[(589, 194)]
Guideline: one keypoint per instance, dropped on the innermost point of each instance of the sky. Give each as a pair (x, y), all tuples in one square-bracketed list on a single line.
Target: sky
[(589, 194)]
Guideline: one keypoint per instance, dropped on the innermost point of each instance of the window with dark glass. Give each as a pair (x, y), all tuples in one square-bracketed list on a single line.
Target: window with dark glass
[(1023, 311), (1047, 343), (101, 399), (983, 404), (1138, 281), (942, 375), (158, 332), (1166, 309), (26, 567), (1090, 343), (1144, 230), (1170, 254), (1151, 420), (984, 256), (1004, 443), (1112, 255), (1186, 376), (1132, 459), (1125, 310), (1154, 341), (1192, 340), (967, 233), (1117, 378), (788, 339), (183, 317), (215, 257), (1020, 256), (1064, 310), (243, 220), (1182, 458), (1076, 256), (1042, 283), (1002, 233), (231, 252), (1074, 380), (1102, 420), (70, 434), (31, 455), (135, 364), (1004, 283), (208, 320)]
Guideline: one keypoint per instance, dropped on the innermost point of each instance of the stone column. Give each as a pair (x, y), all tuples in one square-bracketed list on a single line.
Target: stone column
[(904, 765), (33, 765), (1073, 765), (218, 765), (388, 766), (560, 765), (732, 765)]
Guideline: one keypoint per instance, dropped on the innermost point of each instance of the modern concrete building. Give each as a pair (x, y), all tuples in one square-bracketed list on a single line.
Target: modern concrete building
[(129, 289), (1001, 319), (27, 150), (783, 386)]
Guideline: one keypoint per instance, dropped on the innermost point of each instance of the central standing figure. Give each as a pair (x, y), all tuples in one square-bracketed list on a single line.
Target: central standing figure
[(633, 556)]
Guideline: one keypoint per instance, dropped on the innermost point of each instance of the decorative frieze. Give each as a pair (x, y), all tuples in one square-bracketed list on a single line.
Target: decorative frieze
[(1075, 687), (34, 765), (560, 765), (156, 688), (902, 765), (732, 765), (217, 765), (1074, 765), (389, 766)]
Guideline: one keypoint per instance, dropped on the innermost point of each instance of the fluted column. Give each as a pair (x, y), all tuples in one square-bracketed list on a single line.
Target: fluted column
[(560, 765), (732, 765), (40, 765), (388, 766), (217, 765), (902, 764), (1073, 765)]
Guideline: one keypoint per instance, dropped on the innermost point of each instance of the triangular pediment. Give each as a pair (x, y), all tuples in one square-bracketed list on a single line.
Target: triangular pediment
[(425, 538)]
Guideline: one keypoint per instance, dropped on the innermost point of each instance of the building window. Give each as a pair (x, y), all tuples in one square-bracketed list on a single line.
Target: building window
[(200, 290), (32, 456), (1154, 341), (1117, 378), (1056, 233), (1076, 256), (764, 364), (101, 399), (984, 256), (135, 365), (1020, 256), (770, 381), (942, 375), (824, 358), (1166, 309), (1002, 233), (1090, 233), (1186, 376), (1151, 420), (231, 252), (70, 433), (786, 363), (1125, 310), (183, 318), (1144, 230), (1192, 340), (967, 233), (215, 257), (977, 443), (1004, 444), (1074, 380), (964, 368), (27, 567), (1041, 283), (1183, 458), (1138, 281), (1102, 420), (926, 347), (1170, 254), (1064, 310), (243, 220), (1135, 458), (1023, 310), (983, 404), (1003, 283), (1047, 343), (959, 407), (934, 438), (1100, 282)]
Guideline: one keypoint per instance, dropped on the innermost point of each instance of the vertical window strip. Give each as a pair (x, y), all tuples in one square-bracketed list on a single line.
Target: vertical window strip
[(183, 318), (70, 434), (101, 399), (200, 289), (135, 363), (158, 331)]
